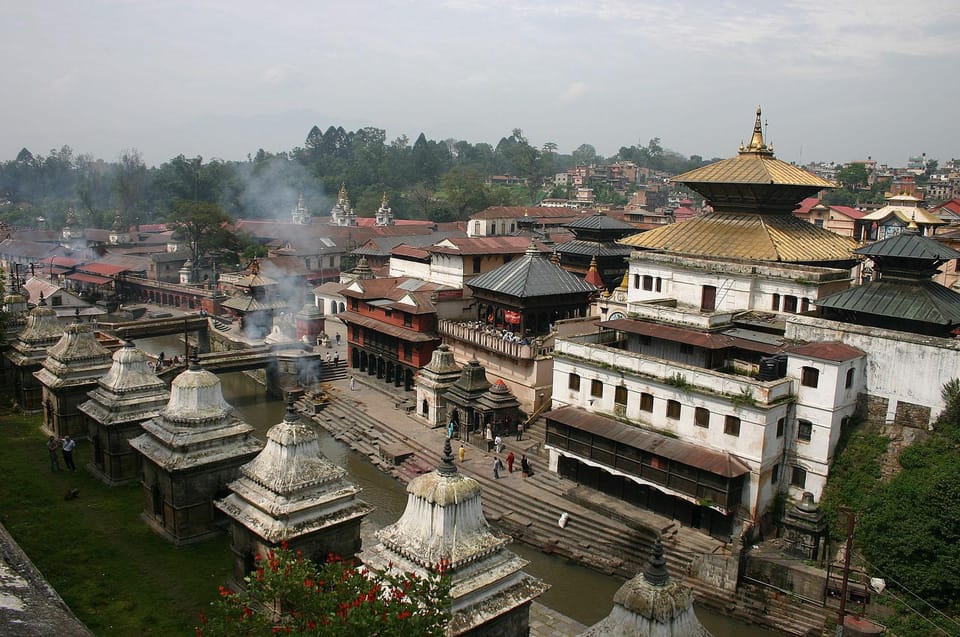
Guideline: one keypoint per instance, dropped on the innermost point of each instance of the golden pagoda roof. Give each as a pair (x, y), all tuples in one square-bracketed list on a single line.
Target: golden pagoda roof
[(755, 164), (737, 235), (906, 214)]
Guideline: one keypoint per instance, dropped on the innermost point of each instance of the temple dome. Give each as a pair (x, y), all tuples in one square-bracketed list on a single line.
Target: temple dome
[(196, 396), (130, 371)]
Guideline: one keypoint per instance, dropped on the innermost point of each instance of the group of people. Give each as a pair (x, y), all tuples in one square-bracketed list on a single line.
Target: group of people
[(503, 334), (162, 361), (65, 445), (525, 469)]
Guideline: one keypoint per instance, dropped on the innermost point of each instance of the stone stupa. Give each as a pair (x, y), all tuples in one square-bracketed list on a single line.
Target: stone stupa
[(189, 453), (443, 522), (651, 605), (129, 394), (71, 369), (28, 351), (291, 493)]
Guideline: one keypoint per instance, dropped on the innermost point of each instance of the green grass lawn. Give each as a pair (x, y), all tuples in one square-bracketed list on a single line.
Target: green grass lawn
[(118, 576)]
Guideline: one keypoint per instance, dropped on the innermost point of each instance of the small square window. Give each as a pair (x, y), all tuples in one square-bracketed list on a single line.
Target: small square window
[(810, 377), (780, 425), (701, 417), (659, 463), (799, 477), (804, 430), (646, 402), (775, 306), (636, 281), (648, 282), (574, 382), (775, 474), (673, 410), (596, 388), (731, 426), (849, 382)]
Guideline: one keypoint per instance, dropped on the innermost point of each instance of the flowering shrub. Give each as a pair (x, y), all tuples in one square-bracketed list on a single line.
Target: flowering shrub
[(288, 594)]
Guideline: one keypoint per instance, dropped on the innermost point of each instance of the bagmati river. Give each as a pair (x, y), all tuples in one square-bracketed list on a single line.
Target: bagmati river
[(576, 591)]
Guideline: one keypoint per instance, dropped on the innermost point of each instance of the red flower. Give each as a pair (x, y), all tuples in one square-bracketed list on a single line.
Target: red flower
[(203, 618), (225, 592), (308, 583), (403, 614)]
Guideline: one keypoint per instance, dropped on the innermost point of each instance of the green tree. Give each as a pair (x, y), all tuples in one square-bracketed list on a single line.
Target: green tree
[(130, 183), (290, 595), (585, 155), (202, 226), (464, 190), (853, 175), (910, 526)]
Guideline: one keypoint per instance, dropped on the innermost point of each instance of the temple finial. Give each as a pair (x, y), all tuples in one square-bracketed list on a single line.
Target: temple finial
[(291, 415), (656, 572), (756, 145), (446, 466)]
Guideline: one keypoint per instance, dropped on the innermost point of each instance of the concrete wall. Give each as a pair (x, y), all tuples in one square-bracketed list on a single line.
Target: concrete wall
[(906, 370)]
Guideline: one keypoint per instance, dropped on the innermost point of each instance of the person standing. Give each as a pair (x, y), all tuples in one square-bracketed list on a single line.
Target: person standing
[(462, 453), (520, 431), (488, 436), (524, 465), (67, 447), (498, 444), (497, 467), (510, 459), (52, 446), (450, 430), (353, 383)]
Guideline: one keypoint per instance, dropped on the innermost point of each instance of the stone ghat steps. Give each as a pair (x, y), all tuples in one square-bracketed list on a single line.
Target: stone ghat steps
[(783, 612), (334, 371), (523, 518), (604, 544)]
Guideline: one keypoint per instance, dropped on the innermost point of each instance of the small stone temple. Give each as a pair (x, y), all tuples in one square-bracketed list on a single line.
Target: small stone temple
[(432, 381), (28, 351), (471, 402), (444, 521), (462, 397), (291, 492), (651, 605), (72, 368), (189, 453), (125, 397)]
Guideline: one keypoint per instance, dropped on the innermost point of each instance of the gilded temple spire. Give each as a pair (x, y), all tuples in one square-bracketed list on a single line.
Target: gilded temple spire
[(757, 145)]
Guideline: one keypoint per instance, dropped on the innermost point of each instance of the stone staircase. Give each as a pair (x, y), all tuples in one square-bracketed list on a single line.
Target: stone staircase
[(334, 371), (597, 541)]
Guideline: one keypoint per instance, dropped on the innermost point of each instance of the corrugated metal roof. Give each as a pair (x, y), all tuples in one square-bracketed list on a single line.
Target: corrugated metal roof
[(594, 248), (598, 221), (753, 168), (735, 235), (922, 301), (909, 245), (530, 276), (403, 333), (697, 338), (829, 350), (716, 462), (905, 214)]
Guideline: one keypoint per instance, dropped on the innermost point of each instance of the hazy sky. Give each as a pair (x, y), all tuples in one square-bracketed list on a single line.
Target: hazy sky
[(837, 80)]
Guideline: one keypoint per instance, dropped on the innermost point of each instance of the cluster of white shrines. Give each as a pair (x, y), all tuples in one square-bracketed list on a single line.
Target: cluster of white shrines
[(202, 469)]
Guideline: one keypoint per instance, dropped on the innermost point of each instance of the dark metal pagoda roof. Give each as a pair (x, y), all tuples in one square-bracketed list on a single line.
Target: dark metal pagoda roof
[(909, 245), (599, 221), (920, 301), (594, 248), (532, 275)]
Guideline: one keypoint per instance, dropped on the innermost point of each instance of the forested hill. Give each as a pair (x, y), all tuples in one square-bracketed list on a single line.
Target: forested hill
[(439, 180)]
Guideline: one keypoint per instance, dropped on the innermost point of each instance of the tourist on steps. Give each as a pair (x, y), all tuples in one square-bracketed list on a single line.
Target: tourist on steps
[(510, 459), (497, 467)]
